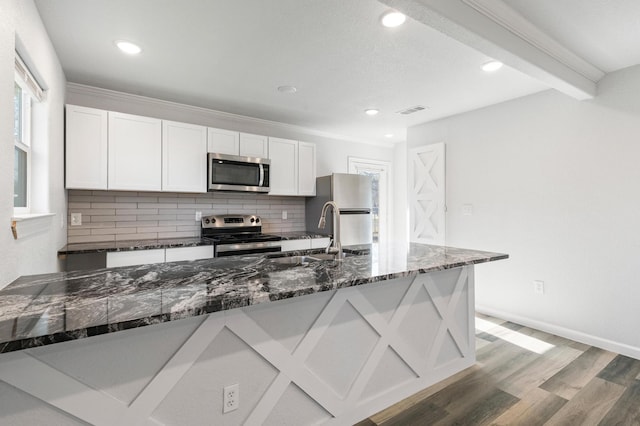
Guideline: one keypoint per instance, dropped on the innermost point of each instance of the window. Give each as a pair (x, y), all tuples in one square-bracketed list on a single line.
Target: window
[(26, 91), (22, 149)]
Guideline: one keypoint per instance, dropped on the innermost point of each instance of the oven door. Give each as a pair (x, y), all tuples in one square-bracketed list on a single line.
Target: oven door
[(235, 173), (222, 250)]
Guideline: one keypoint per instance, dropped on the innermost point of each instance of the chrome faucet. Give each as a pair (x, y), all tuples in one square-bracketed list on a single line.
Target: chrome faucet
[(335, 242)]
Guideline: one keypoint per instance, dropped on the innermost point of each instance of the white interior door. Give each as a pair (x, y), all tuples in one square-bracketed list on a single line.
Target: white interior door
[(380, 172), (427, 194)]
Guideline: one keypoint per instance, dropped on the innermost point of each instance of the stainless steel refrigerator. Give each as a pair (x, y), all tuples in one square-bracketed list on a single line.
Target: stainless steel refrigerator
[(352, 194)]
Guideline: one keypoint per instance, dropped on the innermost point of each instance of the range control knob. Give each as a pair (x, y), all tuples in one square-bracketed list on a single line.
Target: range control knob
[(213, 221), (257, 219), (206, 221), (253, 220)]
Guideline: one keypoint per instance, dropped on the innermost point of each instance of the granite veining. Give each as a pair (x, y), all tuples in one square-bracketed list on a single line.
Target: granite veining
[(45, 309), (129, 245)]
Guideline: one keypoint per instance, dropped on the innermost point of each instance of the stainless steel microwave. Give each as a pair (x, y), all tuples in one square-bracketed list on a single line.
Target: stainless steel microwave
[(236, 173)]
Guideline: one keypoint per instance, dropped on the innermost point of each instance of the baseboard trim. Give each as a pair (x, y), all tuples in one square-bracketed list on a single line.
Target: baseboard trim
[(578, 336)]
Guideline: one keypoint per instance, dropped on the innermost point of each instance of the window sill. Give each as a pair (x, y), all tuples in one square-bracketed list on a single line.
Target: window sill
[(26, 225)]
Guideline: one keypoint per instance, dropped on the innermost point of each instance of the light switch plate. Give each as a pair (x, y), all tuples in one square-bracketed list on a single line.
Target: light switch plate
[(284, 214), (76, 219)]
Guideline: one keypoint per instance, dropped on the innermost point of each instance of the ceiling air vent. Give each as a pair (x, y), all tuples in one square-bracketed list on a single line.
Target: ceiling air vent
[(412, 110)]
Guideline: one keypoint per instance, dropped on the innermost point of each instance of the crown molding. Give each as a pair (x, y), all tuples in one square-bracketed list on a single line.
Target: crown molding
[(82, 89), (505, 16)]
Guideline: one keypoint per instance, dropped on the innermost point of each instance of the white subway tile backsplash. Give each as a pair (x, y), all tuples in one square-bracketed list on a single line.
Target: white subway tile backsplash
[(136, 211), (122, 215), (89, 238), (127, 237), (110, 218)]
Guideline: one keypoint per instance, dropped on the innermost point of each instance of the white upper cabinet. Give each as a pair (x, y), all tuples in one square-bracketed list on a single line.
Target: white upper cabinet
[(135, 152), (86, 148), (306, 168), (284, 166), (254, 145), (293, 167), (223, 141), (184, 157)]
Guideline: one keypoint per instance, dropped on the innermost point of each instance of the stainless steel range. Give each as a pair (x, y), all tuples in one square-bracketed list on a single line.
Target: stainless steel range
[(238, 234)]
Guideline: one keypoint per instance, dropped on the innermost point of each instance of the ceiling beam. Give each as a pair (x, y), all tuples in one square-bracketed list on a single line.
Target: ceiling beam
[(495, 29)]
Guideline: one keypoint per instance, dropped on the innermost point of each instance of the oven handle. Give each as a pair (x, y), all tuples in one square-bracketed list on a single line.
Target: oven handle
[(268, 249), (221, 248)]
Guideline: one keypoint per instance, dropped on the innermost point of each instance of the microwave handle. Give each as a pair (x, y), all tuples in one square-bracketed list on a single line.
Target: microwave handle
[(261, 175)]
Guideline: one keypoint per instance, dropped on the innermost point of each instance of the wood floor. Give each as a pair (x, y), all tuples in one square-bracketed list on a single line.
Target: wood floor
[(527, 377)]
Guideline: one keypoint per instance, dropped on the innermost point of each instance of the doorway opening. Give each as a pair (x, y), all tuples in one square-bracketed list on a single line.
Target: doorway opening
[(380, 172)]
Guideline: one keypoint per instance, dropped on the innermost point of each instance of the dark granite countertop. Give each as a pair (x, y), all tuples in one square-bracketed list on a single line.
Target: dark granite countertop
[(300, 235), (45, 309), (129, 245)]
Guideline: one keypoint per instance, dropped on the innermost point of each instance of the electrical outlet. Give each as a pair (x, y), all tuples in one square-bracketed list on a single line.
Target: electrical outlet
[(231, 398), (467, 209), (76, 219), (198, 216), (284, 214), (538, 287)]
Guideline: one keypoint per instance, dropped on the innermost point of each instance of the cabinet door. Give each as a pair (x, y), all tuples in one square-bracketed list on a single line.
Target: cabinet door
[(293, 245), (320, 242), (178, 254), (184, 157), (284, 166), (254, 145), (135, 152), (306, 168), (223, 141), (135, 257), (86, 148)]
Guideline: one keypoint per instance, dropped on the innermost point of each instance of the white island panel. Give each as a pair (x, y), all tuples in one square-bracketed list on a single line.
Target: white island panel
[(332, 357)]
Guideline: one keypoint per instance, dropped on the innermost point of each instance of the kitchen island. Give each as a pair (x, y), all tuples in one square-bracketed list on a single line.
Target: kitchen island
[(166, 338)]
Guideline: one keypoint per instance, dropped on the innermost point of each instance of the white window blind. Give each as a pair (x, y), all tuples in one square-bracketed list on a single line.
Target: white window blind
[(30, 81)]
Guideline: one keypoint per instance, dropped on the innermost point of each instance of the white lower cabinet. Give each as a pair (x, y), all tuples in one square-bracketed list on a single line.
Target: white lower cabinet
[(291, 245), (145, 257), (134, 257), (304, 244), (320, 242), (177, 254)]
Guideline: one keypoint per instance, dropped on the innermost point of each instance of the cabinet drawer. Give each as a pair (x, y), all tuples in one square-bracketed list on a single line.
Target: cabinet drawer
[(188, 253), (320, 242), (291, 245), (135, 257)]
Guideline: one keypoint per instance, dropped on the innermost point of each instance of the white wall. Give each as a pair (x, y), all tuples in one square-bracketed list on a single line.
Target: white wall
[(554, 183), (332, 153), (21, 28)]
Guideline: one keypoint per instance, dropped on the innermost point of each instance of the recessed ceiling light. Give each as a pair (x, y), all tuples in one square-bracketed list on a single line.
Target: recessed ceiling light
[(128, 47), (388, 135), (287, 89), (371, 111), (392, 19), (492, 66)]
